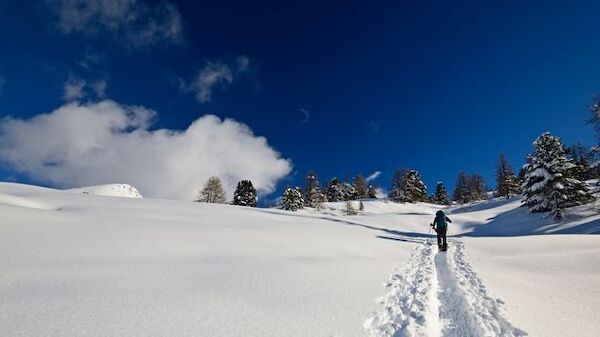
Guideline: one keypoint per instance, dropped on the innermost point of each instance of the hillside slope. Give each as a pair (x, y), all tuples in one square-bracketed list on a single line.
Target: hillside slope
[(75, 264)]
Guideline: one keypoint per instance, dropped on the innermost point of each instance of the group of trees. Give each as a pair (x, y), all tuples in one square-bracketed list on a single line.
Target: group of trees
[(213, 192), (552, 180), (335, 190)]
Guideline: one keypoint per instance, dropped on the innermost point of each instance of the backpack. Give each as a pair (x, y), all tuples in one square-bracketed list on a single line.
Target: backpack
[(440, 219)]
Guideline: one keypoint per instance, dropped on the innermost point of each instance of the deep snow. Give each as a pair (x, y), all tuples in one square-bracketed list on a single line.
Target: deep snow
[(74, 264)]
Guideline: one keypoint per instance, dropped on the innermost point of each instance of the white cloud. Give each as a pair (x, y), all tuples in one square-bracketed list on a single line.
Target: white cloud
[(105, 142), (132, 21), (374, 175), (99, 88), (76, 89), (211, 75), (215, 74), (73, 89)]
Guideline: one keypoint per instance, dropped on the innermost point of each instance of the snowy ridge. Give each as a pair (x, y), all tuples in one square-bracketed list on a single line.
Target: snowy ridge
[(438, 294), (109, 190)]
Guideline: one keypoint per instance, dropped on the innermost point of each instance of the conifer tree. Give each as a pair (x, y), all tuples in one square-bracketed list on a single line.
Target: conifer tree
[(414, 190), (477, 187), (461, 189), (335, 191), (372, 192), (397, 191), (292, 199), (507, 184), (313, 197), (349, 191), (212, 191), (360, 184), (548, 185), (441, 195), (245, 194)]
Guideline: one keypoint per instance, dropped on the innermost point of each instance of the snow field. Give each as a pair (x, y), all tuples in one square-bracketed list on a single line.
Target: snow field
[(438, 294)]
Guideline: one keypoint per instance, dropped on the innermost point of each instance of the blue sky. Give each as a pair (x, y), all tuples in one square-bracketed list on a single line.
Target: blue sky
[(344, 88)]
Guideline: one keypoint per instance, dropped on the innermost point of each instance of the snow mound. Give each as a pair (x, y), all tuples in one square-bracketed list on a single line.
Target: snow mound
[(110, 190)]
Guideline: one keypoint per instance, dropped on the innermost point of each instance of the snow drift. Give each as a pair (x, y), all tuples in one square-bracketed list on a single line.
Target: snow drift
[(109, 190)]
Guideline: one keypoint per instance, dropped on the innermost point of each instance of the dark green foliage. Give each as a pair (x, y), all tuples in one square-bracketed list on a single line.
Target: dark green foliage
[(549, 184), (335, 190), (440, 196), (245, 194), (292, 199), (507, 184)]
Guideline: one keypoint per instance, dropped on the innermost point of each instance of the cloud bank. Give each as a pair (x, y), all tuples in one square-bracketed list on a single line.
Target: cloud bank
[(105, 142), (134, 22)]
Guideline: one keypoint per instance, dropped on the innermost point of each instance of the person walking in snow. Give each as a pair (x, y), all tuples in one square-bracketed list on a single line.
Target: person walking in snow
[(440, 226)]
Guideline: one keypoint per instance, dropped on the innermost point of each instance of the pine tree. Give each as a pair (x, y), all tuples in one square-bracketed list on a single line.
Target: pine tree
[(360, 184), (349, 191), (212, 191), (462, 193), (397, 192), (441, 195), (414, 190), (507, 184), (350, 210), (313, 197), (245, 194), (292, 199), (583, 158), (335, 191), (372, 192), (477, 187), (548, 185)]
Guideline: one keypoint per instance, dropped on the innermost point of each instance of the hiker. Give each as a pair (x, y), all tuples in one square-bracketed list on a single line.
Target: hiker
[(440, 226)]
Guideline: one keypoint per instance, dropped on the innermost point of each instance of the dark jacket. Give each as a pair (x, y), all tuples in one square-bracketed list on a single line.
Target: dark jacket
[(441, 220)]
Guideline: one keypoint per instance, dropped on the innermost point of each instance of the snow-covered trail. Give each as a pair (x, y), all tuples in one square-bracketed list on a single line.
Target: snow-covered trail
[(439, 295)]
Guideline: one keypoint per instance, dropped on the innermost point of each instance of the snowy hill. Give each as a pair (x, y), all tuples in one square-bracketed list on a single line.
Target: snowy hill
[(74, 264), (109, 190)]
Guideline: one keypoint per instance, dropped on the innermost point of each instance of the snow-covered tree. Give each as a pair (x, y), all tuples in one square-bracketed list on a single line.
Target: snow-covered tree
[(350, 210), (360, 184), (292, 199), (414, 190), (245, 194), (461, 188), (397, 191), (313, 197), (548, 185), (335, 190), (349, 191), (212, 191), (440, 196), (507, 184), (372, 192)]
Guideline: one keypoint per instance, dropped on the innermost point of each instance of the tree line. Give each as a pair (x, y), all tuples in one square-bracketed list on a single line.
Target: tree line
[(552, 180)]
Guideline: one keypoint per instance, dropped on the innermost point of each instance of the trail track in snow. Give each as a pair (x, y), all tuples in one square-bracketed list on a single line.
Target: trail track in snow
[(438, 295)]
